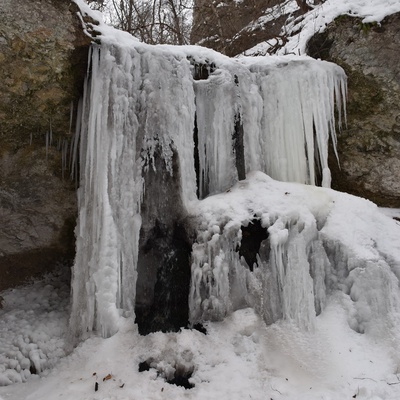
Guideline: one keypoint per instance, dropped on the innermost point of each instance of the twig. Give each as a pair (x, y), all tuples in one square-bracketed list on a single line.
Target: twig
[(276, 390), (362, 379), (394, 383)]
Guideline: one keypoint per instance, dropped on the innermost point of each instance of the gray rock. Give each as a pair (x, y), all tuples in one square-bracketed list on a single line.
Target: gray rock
[(369, 147), (43, 58)]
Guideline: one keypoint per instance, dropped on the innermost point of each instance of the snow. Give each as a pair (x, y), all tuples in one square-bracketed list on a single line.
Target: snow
[(298, 218), (391, 212), (317, 317), (298, 31), (352, 348)]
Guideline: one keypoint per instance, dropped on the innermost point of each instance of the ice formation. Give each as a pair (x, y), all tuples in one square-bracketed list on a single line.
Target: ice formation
[(314, 252), (140, 100), (310, 254)]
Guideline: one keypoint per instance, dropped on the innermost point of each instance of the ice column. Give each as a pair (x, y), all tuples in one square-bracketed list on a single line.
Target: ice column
[(289, 138), (136, 102), (109, 196), (215, 107)]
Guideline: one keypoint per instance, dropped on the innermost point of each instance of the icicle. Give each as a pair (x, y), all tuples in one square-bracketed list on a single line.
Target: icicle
[(297, 119), (133, 102), (64, 156), (47, 146), (214, 262), (71, 114), (50, 134), (74, 159), (280, 287), (215, 101)]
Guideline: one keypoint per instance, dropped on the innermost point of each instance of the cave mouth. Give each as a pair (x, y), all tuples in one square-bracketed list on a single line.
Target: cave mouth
[(252, 236), (181, 375)]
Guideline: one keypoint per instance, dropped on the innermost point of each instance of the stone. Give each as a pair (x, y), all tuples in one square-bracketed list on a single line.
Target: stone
[(232, 27), (369, 146), (43, 59)]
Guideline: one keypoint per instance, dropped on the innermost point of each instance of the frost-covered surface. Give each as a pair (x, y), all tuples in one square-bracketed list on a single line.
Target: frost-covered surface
[(242, 357), (33, 324), (299, 31)]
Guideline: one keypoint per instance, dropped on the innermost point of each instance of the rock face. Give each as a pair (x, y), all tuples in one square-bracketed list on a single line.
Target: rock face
[(231, 26), (369, 148), (165, 245), (43, 58)]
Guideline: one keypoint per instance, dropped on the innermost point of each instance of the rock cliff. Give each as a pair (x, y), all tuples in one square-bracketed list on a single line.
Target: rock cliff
[(232, 27), (43, 57), (369, 148)]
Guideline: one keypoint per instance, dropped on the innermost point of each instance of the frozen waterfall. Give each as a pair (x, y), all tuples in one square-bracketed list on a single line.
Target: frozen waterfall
[(143, 102)]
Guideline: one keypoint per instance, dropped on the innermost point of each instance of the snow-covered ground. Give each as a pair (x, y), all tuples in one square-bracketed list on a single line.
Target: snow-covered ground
[(240, 357)]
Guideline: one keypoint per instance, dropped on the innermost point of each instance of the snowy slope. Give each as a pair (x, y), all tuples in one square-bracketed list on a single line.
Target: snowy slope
[(301, 29)]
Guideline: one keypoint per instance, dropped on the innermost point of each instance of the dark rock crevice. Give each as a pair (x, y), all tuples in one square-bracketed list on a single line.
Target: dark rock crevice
[(164, 252), (252, 236), (181, 375)]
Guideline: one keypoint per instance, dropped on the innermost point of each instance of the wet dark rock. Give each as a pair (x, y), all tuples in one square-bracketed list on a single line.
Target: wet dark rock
[(164, 253)]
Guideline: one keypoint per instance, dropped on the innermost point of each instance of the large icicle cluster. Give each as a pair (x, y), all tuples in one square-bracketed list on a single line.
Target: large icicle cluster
[(288, 277), (144, 100), (287, 109), (131, 108)]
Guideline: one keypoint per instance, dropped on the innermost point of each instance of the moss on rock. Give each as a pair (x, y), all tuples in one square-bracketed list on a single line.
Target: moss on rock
[(43, 59), (369, 147)]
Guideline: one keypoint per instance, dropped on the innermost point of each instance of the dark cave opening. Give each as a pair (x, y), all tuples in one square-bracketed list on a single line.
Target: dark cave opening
[(181, 376), (252, 236)]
